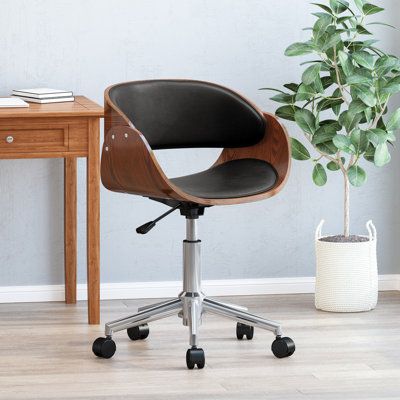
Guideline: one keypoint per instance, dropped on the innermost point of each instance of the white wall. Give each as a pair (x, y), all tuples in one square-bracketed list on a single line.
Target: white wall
[(86, 46)]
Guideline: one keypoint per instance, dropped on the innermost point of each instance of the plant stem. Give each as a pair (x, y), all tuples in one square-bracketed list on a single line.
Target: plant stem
[(346, 205), (341, 88), (378, 116)]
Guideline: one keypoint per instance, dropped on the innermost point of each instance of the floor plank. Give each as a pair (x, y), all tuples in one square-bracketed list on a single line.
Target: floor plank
[(46, 354)]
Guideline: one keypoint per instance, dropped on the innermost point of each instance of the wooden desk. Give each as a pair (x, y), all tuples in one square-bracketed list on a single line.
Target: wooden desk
[(67, 130)]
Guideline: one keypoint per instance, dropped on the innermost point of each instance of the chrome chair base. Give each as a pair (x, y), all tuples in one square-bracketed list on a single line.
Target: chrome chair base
[(190, 305)]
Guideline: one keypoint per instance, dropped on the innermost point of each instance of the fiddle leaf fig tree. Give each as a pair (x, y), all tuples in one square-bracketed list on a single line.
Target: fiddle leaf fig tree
[(340, 104)]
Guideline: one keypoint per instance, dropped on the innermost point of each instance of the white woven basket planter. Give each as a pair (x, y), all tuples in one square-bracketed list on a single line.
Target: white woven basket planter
[(347, 275)]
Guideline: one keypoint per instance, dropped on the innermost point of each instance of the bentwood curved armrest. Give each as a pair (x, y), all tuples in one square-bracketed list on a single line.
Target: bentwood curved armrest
[(129, 164)]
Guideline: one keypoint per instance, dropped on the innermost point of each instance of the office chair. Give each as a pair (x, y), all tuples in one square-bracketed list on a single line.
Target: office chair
[(254, 164)]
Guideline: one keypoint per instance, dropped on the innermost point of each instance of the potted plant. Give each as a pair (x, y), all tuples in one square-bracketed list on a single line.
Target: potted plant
[(341, 107)]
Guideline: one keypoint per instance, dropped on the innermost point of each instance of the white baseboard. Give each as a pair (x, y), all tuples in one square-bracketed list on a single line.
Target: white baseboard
[(136, 290)]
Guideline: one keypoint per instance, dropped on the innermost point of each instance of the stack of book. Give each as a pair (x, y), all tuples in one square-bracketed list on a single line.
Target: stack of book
[(44, 95), (10, 102)]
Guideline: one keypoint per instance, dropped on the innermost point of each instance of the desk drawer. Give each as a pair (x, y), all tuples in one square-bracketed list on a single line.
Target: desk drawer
[(40, 138)]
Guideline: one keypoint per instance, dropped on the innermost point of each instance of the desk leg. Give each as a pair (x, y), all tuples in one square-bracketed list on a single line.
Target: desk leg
[(70, 229), (93, 221)]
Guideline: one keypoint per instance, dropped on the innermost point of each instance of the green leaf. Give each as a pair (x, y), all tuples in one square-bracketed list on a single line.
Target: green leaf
[(384, 97), (382, 155), (326, 81), (381, 23), (320, 25), (298, 49), (369, 9), (339, 6), (368, 43), (327, 103), (392, 86), (394, 121), (359, 140), (357, 106), (346, 63), (332, 124), (365, 95), (305, 119), (360, 76), (299, 152), (364, 59), (311, 74), (357, 79), (286, 112), (334, 166), (311, 62), (360, 4), (385, 64), (391, 137), (319, 175), (336, 108), (324, 7), (331, 41), (362, 30), (305, 93), (283, 98), (327, 147), (381, 124), (343, 143), (370, 153), (341, 20), (377, 136), (327, 40), (321, 14), (317, 84), (349, 120), (272, 89), (368, 115), (323, 134), (358, 45), (357, 175), (342, 76), (292, 86)]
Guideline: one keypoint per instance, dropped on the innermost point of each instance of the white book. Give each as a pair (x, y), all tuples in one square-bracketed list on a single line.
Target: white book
[(8, 102), (46, 101), (42, 93)]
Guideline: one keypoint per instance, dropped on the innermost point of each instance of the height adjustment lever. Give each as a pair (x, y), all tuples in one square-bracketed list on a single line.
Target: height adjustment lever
[(148, 226)]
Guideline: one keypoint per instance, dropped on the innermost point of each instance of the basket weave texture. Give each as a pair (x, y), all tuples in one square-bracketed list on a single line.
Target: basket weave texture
[(347, 274)]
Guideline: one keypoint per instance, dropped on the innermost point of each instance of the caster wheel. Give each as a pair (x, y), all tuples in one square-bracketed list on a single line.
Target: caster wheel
[(244, 330), (104, 347), (195, 356), (283, 347), (138, 332)]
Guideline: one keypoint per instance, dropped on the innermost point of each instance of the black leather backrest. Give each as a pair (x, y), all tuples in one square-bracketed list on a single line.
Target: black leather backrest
[(179, 114)]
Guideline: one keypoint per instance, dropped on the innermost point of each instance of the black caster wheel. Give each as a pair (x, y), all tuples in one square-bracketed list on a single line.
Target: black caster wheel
[(138, 332), (195, 356), (104, 347), (283, 347), (244, 330)]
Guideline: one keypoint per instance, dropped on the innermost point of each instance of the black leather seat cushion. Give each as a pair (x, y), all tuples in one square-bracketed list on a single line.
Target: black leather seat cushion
[(237, 178)]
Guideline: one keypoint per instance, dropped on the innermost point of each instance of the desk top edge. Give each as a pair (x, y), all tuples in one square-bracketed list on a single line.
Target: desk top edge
[(81, 107)]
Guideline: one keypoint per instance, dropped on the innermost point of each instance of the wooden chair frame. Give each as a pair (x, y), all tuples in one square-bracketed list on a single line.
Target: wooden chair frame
[(129, 164)]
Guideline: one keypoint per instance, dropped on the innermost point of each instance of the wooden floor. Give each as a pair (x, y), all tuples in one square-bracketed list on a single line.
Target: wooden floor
[(45, 353)]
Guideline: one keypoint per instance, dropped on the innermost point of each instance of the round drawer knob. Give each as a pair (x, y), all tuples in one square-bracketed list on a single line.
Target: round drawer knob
[(9, 139)]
